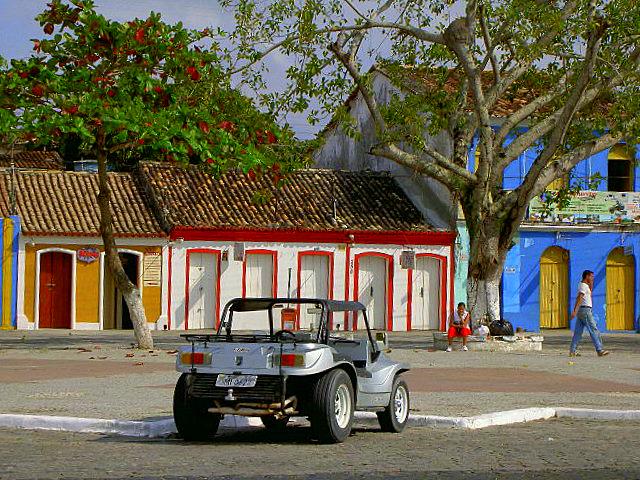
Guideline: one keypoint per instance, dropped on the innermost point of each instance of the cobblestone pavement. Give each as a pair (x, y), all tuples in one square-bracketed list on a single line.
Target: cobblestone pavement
[(98, 374), (539, 450)]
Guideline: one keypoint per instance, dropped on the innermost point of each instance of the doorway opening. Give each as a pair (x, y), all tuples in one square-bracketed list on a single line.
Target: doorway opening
[(116, 312)]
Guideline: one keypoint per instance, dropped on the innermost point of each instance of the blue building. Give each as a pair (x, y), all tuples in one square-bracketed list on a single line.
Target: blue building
[(599, 230)]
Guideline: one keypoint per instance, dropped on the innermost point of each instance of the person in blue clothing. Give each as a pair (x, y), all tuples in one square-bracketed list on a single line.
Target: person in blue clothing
[(583, 310)]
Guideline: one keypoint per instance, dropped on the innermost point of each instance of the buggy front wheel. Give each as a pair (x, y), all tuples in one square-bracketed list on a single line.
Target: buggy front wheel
[(333, 406), (395, 415)]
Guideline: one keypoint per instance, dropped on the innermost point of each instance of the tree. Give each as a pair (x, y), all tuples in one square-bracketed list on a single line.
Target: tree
[(576, 64), (131, 90)]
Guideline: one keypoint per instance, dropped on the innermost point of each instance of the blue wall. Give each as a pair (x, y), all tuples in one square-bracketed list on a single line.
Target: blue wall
[(597, 164), (587, 251)]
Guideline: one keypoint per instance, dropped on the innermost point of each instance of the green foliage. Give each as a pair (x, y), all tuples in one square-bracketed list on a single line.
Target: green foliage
[(151, 89)]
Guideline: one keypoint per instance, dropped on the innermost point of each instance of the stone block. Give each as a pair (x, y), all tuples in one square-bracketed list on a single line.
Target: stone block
[(482, 344)]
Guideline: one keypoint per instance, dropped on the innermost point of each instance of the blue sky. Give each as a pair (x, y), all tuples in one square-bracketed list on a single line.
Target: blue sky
[(17, 27)]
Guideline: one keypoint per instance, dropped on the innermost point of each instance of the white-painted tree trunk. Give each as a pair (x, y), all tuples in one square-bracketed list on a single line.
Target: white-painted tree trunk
[(129, 291)]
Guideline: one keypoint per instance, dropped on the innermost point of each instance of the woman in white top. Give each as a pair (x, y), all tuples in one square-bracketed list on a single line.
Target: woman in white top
[(459, 326)]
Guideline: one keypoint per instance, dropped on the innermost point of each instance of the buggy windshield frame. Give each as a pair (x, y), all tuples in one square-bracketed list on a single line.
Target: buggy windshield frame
[(267, 304)]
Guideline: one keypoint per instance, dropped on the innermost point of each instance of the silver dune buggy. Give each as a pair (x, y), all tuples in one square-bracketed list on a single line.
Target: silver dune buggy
[(276, 373)]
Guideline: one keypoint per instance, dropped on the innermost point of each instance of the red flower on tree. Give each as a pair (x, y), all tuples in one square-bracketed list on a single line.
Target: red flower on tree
[(37, 90), (204, 126), (139, 35), (193, 73)]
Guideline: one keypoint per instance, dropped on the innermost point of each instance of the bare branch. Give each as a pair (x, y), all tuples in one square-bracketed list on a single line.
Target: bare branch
[(563, 164), (369, 97), (418, 165), (527, 139), (457, 37), (491, 53), (406, 30), (497, 90)]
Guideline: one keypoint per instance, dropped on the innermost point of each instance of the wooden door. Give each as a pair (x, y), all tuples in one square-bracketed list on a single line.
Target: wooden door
[(203, 274), (314, 283), (54, 309), (426, 294), (372, 290), (554, 288), (258, 282), (620, 290), (259, 275)]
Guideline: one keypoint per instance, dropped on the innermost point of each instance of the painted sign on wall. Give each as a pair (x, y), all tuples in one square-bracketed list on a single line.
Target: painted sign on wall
[(591, 207), (88, 255)]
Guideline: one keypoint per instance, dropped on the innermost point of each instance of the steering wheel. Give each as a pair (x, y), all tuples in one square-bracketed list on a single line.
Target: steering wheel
[(280, 333)]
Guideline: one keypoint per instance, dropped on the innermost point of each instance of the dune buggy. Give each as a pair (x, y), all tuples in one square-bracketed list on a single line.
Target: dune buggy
[(278, 373)]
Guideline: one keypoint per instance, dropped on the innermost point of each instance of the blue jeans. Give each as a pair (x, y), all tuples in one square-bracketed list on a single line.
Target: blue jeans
[(584, 319)]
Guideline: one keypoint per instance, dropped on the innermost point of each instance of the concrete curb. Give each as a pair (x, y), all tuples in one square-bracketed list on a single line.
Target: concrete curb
[(165, 426), (127, 428), (590, 414)]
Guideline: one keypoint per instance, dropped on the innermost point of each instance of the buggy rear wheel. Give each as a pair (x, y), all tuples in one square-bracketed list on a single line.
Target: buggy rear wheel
[(395, 415), (333, 406), (191, 415)]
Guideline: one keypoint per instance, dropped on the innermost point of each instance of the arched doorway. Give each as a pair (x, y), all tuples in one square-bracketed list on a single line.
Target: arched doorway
[(620, 290), (315, 280), (554, 288), (116, 311), (55, 289), (373, 288), (426, 295), (202, 294)]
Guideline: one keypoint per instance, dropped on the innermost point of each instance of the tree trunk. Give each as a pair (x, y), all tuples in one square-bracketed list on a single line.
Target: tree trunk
[(129, 291), (487, 255)]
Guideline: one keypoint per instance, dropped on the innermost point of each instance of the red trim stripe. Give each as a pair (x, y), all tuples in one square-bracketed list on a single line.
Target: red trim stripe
[(312, 236)]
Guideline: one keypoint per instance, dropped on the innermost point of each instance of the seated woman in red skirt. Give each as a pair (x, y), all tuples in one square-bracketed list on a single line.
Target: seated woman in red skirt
[(459, 326)]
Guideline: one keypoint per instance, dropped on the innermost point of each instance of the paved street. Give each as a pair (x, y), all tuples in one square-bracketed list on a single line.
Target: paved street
[(552, 449), (99, 375)]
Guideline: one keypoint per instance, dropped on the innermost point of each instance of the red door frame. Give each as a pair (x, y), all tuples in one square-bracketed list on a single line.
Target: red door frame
[(211, 251), (311, 253), (443, 289), (356, 274), (274, 282), (54, 308)]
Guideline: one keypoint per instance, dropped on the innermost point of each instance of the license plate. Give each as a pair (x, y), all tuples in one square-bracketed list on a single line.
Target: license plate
[(236, 381)]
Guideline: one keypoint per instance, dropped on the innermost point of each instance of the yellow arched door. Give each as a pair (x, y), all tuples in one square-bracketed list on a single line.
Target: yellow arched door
[(620, 290), (554, 288)]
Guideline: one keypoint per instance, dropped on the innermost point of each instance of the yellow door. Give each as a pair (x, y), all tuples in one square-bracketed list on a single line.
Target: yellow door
[(620, 290), (554, 288)]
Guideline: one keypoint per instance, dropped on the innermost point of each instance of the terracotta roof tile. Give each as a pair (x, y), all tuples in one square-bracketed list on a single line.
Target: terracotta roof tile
[(311, 199), (33, 160), (64, 203)]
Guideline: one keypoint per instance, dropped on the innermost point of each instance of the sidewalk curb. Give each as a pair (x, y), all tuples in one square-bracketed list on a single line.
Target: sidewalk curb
[(165, 426)]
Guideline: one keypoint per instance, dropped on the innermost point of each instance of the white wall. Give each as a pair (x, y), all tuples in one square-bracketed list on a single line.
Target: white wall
[(287, 258)]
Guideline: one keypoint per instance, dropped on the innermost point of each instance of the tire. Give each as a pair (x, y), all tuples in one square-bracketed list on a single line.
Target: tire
[(395, 415), (191, 415), (274, 424), (333, 404)]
